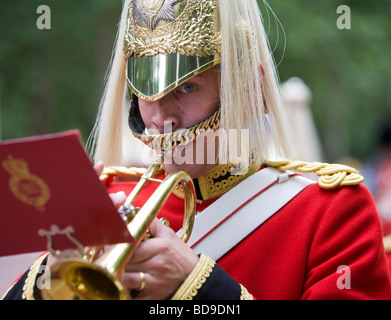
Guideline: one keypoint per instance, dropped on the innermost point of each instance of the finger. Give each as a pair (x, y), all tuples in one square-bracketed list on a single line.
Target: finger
[(161, 239), (156, 244), (118, 198), (145, 251), (98, 167), (133, 281), (51, 260), (158, 229)]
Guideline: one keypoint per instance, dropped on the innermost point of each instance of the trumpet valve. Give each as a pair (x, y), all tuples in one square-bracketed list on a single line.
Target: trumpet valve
[(128, 212)]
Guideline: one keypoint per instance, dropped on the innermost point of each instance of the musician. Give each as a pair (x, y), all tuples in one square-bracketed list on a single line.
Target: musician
[(202, 69)]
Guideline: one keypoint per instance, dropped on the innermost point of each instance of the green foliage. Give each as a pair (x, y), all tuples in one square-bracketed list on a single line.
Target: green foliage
[(52, 80), (348, 70)]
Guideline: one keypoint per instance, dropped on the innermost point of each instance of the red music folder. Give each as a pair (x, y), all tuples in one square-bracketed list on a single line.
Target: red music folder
[(50, 191)]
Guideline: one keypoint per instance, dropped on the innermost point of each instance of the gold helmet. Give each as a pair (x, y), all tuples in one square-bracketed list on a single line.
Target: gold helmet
[(167, 42), (163, 43)]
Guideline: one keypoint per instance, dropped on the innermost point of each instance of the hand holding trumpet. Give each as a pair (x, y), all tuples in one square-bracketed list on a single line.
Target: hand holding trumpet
[(155, 270)]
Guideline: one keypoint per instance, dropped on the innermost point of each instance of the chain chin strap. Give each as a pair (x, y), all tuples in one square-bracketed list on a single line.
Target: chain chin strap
[(167, 142)]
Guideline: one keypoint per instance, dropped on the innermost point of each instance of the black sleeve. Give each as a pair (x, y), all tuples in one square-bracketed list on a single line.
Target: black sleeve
[(16, 291), (219, 286)]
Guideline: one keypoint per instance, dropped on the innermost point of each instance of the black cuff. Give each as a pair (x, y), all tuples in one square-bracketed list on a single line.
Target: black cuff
[(219, 286), (17, 289), (208, 281)]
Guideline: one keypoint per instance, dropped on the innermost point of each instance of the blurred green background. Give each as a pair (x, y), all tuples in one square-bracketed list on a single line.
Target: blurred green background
[(52, 80)]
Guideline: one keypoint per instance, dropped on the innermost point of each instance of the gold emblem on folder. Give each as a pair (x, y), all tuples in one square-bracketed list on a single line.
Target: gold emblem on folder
[(25, 186)]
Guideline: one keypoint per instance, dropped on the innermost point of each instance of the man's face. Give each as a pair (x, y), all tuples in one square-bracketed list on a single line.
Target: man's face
[(189, 104)]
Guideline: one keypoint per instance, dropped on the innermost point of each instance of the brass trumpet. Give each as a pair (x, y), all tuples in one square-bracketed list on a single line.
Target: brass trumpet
[(92, 278)]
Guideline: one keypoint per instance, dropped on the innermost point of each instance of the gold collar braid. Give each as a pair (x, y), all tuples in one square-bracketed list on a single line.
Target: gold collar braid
[(171, 140), (219, 180)]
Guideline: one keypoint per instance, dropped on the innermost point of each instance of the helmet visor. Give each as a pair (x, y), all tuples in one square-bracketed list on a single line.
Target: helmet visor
[(151, 77)]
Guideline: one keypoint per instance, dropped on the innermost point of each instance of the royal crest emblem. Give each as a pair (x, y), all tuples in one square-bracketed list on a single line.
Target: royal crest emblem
[(189, 28), (25, 186), (153, 11)]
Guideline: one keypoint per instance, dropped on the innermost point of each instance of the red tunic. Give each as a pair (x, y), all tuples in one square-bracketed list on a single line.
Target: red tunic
[(297, 252)]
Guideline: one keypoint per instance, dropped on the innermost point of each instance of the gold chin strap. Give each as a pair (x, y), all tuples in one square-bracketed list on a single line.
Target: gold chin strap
[(331, 176), (171, 140)]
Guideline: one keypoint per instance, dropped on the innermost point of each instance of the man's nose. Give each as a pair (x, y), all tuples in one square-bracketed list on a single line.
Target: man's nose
[(166, 116)]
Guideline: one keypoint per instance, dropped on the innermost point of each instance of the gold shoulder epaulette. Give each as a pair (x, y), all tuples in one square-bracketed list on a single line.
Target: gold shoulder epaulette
[(110, 173), (331, 176)]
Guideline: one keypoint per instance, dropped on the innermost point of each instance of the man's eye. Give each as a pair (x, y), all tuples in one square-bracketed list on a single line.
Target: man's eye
[(187, 88)]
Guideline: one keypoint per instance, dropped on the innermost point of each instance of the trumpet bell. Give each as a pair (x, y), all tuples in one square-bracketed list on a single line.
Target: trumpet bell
[(75, 279), (78, 278)]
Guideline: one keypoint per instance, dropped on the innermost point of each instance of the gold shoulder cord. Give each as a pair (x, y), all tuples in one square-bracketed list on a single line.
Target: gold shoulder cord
[(331, 176)]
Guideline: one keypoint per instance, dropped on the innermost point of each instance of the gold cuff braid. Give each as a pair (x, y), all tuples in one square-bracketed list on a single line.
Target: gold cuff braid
[(28, 289), (201, 272), (245, 294)]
